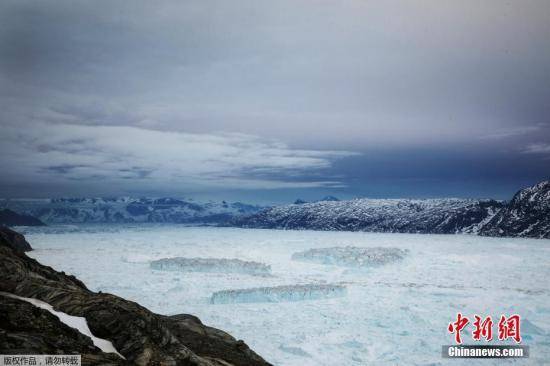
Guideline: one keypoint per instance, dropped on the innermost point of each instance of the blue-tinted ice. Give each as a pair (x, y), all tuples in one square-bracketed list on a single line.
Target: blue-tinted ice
[(217, 265), (351, 256), (278, 294)]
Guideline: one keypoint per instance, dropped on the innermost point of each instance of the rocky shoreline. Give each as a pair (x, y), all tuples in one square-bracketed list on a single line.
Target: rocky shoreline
[(141, 336)]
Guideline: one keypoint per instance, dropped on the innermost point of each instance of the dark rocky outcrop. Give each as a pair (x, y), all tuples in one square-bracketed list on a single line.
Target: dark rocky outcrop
[(14, 240), (143, 337), (527, 214), (27, 329), (12, 218)]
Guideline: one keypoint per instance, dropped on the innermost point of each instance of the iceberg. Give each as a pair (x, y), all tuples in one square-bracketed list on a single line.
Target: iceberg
[(351, 256), (279, 294), (215, 265)]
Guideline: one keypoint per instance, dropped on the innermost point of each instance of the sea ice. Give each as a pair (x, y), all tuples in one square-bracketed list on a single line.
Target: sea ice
[(351, 256), (278, 294), (390, 315), (218, 265)]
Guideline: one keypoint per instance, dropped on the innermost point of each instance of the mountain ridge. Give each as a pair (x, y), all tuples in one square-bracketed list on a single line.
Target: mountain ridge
[(441, 216), (128, 210), (526, 215)]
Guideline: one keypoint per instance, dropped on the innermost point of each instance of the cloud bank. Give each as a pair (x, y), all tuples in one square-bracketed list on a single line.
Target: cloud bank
[(116, 155), (206, 94)]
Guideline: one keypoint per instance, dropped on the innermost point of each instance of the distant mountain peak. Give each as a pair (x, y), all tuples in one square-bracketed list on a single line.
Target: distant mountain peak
[(329, 198), (527, 214)]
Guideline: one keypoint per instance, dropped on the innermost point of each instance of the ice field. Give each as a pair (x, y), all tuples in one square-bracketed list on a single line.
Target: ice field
[(319, 309)]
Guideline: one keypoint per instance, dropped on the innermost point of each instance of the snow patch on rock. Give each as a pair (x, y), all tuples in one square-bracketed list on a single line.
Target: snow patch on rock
[(76, 322)]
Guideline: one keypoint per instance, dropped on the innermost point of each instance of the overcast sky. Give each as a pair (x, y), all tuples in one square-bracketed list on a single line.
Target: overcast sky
[(273, 100)]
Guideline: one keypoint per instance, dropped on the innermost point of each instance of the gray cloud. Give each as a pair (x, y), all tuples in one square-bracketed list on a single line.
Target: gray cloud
[(275, 88), (108, 154), (538, 148)]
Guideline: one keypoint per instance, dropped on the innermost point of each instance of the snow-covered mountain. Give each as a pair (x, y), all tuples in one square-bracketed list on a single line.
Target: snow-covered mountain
[(527, 215), (442, 216), (127, 209)]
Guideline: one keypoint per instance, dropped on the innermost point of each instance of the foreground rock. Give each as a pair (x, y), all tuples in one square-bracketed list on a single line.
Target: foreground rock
[(26, 329), (11, 218), (527, 215), (13, 240), (142, 337)]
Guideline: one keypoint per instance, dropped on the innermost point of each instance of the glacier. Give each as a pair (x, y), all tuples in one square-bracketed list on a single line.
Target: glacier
[(351, 256), (391, 314), (278, 293), (219, 265)]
